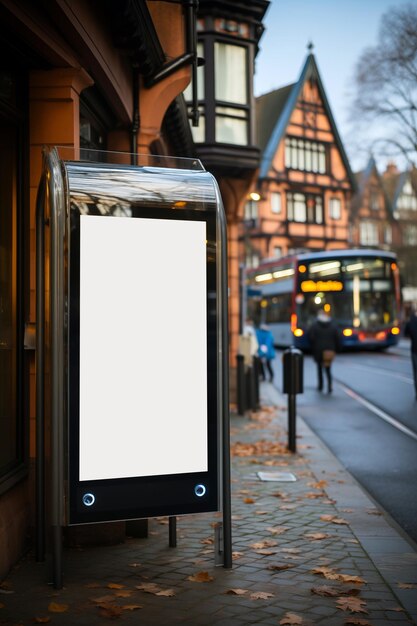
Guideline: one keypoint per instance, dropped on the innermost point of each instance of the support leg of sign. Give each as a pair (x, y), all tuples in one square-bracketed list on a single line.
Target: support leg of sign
[(172, 532), (226, 474), (218, 544)]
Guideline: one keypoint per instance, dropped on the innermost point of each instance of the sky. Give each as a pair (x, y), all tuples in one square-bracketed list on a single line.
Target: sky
[(340, 30)]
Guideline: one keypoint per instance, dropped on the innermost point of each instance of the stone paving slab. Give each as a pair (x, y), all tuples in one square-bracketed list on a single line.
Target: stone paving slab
[(291, 542)]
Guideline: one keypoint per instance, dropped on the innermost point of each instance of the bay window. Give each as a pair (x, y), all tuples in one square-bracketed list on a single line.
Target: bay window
[(231, 93)]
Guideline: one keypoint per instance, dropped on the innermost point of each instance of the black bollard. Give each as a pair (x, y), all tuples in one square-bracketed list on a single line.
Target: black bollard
[(292, 384)]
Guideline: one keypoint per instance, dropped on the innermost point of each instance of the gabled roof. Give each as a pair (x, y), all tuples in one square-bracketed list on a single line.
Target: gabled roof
[(287, 99), (362, 179)]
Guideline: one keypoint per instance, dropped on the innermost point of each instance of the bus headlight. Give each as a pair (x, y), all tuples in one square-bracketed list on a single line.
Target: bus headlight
[(298, 332), (395, 330), (348, 332)]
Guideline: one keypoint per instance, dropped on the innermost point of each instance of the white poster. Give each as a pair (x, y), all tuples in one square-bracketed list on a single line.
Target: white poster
[(143, 334)]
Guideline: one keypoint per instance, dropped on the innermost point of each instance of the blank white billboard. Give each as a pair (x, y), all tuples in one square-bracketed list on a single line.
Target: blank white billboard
[(143, 347)]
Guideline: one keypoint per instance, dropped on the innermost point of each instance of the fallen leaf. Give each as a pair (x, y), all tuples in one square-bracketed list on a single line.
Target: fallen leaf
[(249, 501), (201, 577), (236, 592), (319, 484), (331, 574), (134, 564), (280, 568), (123, 594), (54, 607), (168, 593), (111, 611), (326, 590), (266, 552), (291, 619), (236, 555), (132, 607), (41, 620), (357, 621), (261, 512), (352, 604), (261, 595), (316, 536), (92, 586), (207, 541), (348, 578), (407, 585), (102, 599), (333, 519), (115, 586), (267, 543), (373, 512), (313, 495), (277, 530)]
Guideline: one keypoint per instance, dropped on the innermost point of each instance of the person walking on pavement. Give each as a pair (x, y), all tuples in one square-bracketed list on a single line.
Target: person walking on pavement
[(266, 351), (410, 330), (325, 342)]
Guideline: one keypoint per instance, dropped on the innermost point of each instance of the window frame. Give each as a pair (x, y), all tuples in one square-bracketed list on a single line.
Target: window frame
[(304, 201), (305, 155)]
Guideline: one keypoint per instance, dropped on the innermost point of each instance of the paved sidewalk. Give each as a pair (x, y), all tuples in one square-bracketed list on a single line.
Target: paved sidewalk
[(312, 551)]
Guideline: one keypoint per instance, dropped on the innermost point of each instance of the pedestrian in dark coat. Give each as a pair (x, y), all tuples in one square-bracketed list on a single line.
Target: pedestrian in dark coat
[(410, 330), (325, 342)]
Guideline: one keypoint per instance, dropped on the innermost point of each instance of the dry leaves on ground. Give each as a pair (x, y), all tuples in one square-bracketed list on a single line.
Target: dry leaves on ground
[(357, 621), (262, 447), (41, 620), (331, 574), (352, 604), (317, 536), (236, 592), (280, 568), (291, 619), (155, 589), (333, 592), (320, 484), (260, 545), (54, 607), (277, 530), (200, 577), (261, 595), (407, 585), (115, 586), (333, 519)]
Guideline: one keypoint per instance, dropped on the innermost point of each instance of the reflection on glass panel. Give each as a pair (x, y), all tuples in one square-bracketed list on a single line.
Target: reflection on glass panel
[(231, 130), (230, 73)]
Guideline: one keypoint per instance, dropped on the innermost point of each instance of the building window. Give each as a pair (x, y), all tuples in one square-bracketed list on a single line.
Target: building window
[(407, 200), (374, 201), (335, 208), (304, 208), (277, 252), (231, 94), (251, 210), (305, 155), (275, 202), (252, 259), (368, 234), (410, 235), (12, 415), (388, 234)]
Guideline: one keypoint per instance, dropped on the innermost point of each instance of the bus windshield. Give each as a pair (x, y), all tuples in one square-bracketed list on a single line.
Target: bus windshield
[(355, 291)]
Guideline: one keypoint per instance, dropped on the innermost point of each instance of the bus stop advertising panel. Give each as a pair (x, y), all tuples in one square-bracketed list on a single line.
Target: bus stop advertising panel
[(144, 356)]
